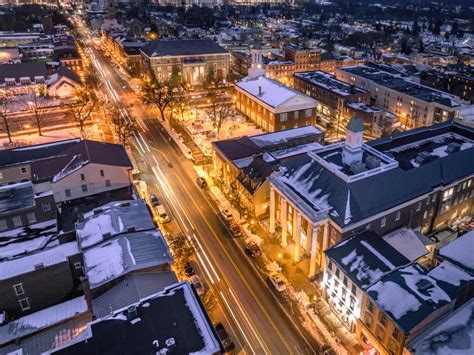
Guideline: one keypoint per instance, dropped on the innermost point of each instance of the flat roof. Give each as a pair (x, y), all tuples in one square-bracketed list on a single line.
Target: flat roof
[(329, 82)]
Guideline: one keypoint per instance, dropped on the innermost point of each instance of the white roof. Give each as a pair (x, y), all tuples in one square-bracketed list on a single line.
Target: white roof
[(42, 319), (48, 257), (274, 93), (461, 250), (266, 139), (407, 243)]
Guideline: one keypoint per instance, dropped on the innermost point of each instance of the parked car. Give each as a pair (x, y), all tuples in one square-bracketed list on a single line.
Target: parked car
[(162, 214), (227, 343), (154, 200), (253, 250), (201, 182), (277, 282), (188, 269), (235, 230), (198, 285), (226, 214)]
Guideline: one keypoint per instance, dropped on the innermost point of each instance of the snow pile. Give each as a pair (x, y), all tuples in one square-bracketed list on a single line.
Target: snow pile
[(461, 250), (364, 273), (93, 230), (104, 263), (394, 299), (451, 274)]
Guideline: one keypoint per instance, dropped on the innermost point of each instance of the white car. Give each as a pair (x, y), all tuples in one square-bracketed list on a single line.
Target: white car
[(277, 282), (226, 214), (162, 214), (198, 286)]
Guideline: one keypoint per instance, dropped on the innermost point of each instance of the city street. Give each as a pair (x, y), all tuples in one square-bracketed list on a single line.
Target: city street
[(259, 323)]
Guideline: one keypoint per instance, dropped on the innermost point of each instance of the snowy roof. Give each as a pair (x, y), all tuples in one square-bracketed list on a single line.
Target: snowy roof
[(272, 139), (43, 319), (365, 258), (407, 242), (18, 196), (451, 334), (316, 184), (273, 93), (460, 252), (43, 259), (173, 314), (182, 47), (421, 293), (126, 253), (329, 82), (113, 218)]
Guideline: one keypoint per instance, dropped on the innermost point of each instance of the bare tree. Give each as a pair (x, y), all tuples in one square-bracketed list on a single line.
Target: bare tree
[(124, 128), (181, 250), (35, 102), (218, 113), (81, 109), (5, 119), (235, 194), (159, 93)]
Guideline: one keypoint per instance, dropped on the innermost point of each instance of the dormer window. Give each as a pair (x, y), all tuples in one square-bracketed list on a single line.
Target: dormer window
[(10, 81), (39, 79), (25, 80)]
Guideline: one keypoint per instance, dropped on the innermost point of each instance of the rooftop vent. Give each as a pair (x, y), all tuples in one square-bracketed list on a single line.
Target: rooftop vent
[(372, 162), (357, 167), (170, 342), (80, 217), (131, 229), (126, 204), (132, 313), (39, 266), (106, 235), (97, 211), (423, 285), (420, 158), (259, 90), (453, 147)]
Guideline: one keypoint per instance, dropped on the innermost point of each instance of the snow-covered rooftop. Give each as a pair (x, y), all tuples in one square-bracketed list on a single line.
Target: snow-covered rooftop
[(460, 251), (285, 136), (43, 319), (111, 219), (406, 242), (30, 263), (16, 196)]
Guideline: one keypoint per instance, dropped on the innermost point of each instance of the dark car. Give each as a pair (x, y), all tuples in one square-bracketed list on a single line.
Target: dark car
[(201, 182), (227, 343), (188, 269), (253, 250), (154, 200)]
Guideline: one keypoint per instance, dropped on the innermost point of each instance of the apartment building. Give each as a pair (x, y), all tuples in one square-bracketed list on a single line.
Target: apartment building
[(414, 105), (460, 84), (274, 106), (324, 196), (191, 58)]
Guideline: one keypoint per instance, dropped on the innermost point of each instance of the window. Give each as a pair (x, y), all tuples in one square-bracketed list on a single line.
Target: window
[(46, 206), (433, 198), (84, 188), (353, 289), (379, 333), (83, 177), (283, 117), (23, 170), (370, 306), (17, 221), (19, 289), (1, 175), (383, 320), (352, 303), (3, 225), (31, 217), (336, 285), (418, 207), (344, 295), (24, 304), (67, 192), (345, 281), (329, 265), (447, 194), (107, 183), (308, 112), (337, 273), (368, 320), (396, 334), (383, 221), (296, 114), (77, 265), (101, 172), (397, 216)]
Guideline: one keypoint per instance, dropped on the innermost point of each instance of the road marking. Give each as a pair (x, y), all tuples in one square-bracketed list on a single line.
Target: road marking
[(207, 258)]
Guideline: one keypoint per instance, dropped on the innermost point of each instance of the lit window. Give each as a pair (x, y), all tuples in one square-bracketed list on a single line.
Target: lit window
[(397, 216), (418, 207), (383, 222)]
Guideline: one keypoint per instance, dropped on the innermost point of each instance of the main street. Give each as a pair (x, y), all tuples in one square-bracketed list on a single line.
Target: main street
[(259, 322)]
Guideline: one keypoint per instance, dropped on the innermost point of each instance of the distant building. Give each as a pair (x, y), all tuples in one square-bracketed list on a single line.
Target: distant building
[(453, 82), (191, 58), (413, 104), (274, 106)]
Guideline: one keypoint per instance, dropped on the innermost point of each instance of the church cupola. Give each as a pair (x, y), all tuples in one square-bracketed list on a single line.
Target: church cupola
[(352, 151)]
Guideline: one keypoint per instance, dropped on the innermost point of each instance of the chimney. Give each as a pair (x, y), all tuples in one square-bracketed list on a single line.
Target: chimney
[(259, 90), (132, 313), (80, 217)]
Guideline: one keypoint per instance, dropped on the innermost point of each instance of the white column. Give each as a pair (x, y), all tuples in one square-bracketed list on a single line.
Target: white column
[(297, 235), (284, 223), (272, 211), (314, 247), (325, 242)]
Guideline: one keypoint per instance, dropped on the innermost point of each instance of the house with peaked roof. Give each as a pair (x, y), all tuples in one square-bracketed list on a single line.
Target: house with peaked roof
[(420, 179), (273, 105)]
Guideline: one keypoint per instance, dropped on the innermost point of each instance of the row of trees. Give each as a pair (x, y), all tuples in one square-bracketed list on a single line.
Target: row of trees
[(170, 97)]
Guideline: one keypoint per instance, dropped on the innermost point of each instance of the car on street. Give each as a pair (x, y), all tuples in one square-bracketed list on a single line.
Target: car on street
[(162, 214), (226, 214), (277, 282), (188, 269), (253, 250), (198, 285), (227, 343), (235, 230), (154, 200), (201, 182)]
